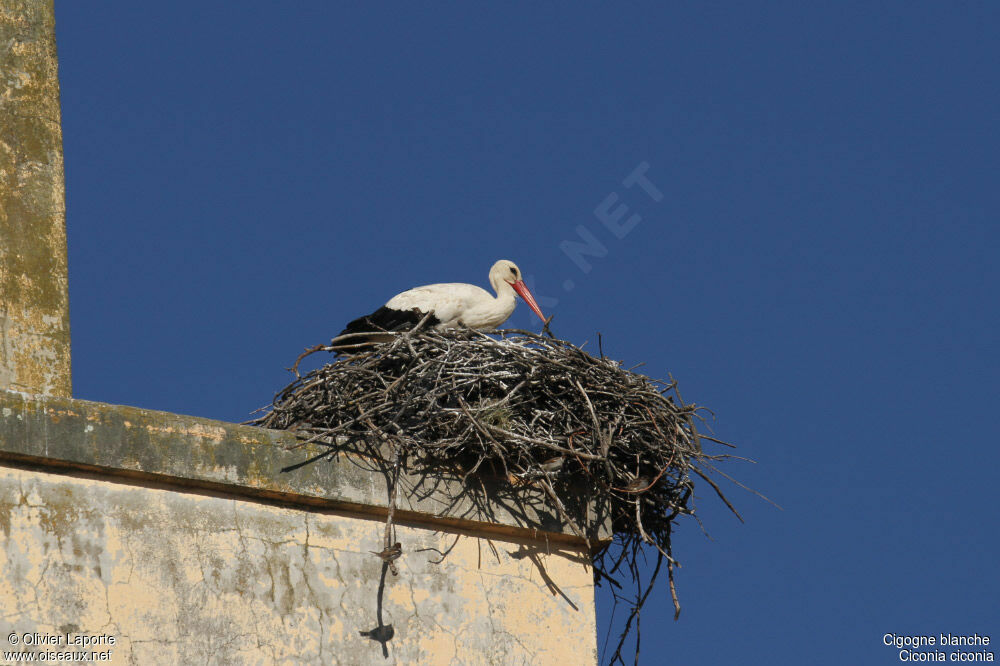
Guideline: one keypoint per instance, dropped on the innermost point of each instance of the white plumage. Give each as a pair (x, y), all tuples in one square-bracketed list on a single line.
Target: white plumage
[(450, 305), (457, 304)]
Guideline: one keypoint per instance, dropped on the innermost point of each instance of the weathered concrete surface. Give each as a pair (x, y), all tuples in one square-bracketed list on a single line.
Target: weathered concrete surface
[(34, 304), (186, 451), (182, 539), (186, 578)]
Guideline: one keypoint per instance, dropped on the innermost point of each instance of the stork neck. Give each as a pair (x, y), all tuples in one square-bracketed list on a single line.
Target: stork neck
[(504, 291)]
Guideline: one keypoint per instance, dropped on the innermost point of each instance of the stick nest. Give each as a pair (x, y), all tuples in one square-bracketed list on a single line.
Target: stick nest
[(524, 408)]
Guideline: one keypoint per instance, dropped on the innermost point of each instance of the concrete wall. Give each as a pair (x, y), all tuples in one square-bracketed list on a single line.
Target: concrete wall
[(34, 304), (106, 534)]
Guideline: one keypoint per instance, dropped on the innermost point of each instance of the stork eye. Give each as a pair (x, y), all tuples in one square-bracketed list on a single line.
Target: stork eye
[(513, 271)]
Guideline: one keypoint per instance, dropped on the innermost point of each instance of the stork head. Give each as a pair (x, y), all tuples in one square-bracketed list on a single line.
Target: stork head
[(507, 272)]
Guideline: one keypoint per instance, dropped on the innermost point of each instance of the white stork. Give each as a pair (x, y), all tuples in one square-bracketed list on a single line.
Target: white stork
[(448, 305)]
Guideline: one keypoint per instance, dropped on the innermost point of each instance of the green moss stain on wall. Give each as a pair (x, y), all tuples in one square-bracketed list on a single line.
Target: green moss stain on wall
[(34, 302)]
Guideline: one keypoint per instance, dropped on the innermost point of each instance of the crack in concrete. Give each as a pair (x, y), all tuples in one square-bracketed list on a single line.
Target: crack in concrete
[(312, 593)]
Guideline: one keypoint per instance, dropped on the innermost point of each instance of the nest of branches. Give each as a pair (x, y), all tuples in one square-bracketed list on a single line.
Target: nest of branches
[(528, 409)]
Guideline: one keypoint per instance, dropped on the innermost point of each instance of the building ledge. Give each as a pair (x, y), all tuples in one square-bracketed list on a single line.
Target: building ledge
[(146, 447)]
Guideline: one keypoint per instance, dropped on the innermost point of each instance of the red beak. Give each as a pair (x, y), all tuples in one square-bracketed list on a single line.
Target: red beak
[(522, 291)]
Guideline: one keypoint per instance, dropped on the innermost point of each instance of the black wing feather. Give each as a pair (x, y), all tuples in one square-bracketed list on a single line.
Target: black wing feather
[(385, 319)]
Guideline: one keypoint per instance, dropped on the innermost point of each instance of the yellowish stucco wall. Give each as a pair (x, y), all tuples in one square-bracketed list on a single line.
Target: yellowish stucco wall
[(192, 578)]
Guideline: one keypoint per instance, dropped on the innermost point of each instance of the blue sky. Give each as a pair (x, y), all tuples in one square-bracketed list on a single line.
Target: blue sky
[(821, 269)]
